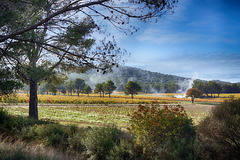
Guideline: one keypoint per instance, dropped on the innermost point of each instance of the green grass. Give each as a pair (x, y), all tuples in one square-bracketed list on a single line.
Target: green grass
[(80, 115), (99, 115)]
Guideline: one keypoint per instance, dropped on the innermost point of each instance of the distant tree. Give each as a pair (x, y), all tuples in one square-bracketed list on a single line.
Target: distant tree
[(63, 90), (206, 89), (103, 91), (218, 89), (42, 88), (98, 88), (226, 88), (194, 92), (235, 88), (52, 82), (7, 82), (70, 86), (60, 87), (87, 90), (132, 88), (79, 85), (199, 85), (157, 88), (109, 87), (171, 87), (212, 87)]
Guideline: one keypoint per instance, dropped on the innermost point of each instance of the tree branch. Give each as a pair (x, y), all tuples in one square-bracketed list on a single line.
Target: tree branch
[(61, 11)]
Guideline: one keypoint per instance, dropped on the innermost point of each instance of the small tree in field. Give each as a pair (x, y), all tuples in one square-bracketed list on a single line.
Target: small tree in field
[(98, 88), (79, 85), (194, 92), (109, 87), (132, 88), (64, 91), (70, 87), (87, 90)]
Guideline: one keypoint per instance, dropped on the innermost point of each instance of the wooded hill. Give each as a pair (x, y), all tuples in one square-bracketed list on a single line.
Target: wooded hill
[(149, 81)]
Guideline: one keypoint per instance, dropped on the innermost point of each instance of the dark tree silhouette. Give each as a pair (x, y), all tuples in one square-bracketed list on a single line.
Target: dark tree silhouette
[(132, 88)]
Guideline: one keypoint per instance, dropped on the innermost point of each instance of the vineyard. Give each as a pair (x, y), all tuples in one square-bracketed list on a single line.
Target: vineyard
[(88, 117), (119, 98), (95, 115), (95, 110)]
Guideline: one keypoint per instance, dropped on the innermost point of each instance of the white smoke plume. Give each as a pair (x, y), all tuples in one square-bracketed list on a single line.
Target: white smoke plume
[(185, 85)]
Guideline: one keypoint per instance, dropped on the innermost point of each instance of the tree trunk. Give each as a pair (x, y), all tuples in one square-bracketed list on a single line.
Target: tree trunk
[(132, 96), (33, 103), (109, 95)]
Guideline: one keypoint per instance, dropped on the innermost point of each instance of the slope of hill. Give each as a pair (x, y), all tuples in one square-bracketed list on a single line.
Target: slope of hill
[(149, 81)]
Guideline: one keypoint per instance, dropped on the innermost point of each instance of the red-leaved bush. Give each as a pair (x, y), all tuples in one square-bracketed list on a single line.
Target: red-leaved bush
[(153, 126)]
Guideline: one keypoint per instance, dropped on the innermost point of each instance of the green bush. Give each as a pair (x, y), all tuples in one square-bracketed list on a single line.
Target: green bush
[(75, 141), (51, 134), (153, 127), (99, 141), (15, 124), (123, 151), (218, 136), (181, 148), (3, 116)]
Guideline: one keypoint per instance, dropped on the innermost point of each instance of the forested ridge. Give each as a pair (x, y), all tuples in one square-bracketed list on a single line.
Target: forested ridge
[(150, 82)]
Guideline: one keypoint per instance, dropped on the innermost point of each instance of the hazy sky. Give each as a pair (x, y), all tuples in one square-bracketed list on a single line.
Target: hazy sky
[(201, 39)]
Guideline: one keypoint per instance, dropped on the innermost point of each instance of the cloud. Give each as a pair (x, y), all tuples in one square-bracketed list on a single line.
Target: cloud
[(160, 37)]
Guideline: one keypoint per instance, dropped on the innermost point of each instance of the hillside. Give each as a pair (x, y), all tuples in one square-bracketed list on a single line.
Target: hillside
[(149, 81)]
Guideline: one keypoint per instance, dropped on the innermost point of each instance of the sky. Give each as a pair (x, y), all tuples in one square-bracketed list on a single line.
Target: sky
[(201, 40)]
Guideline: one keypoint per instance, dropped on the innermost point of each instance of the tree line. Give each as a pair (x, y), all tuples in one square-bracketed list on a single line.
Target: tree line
[(211, 88), (80, 87)]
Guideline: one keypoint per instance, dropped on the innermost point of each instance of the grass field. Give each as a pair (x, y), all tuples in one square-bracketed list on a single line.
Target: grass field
[(97, 115)]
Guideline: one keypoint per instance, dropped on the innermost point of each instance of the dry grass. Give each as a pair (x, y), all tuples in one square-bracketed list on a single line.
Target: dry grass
[(20, 150)]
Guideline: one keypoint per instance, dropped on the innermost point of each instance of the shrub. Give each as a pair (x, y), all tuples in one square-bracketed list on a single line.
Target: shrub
[(75, 141), (3, 116), (14, 124), (99, 141), (51, 134), (218, 135), (122, 151), (155, 126)]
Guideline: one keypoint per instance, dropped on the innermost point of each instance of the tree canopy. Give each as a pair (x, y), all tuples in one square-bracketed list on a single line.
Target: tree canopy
[(132, 88), (109, 87), (99, 88), (8, 82), (79, 85), (41, 37), (194, 92)]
